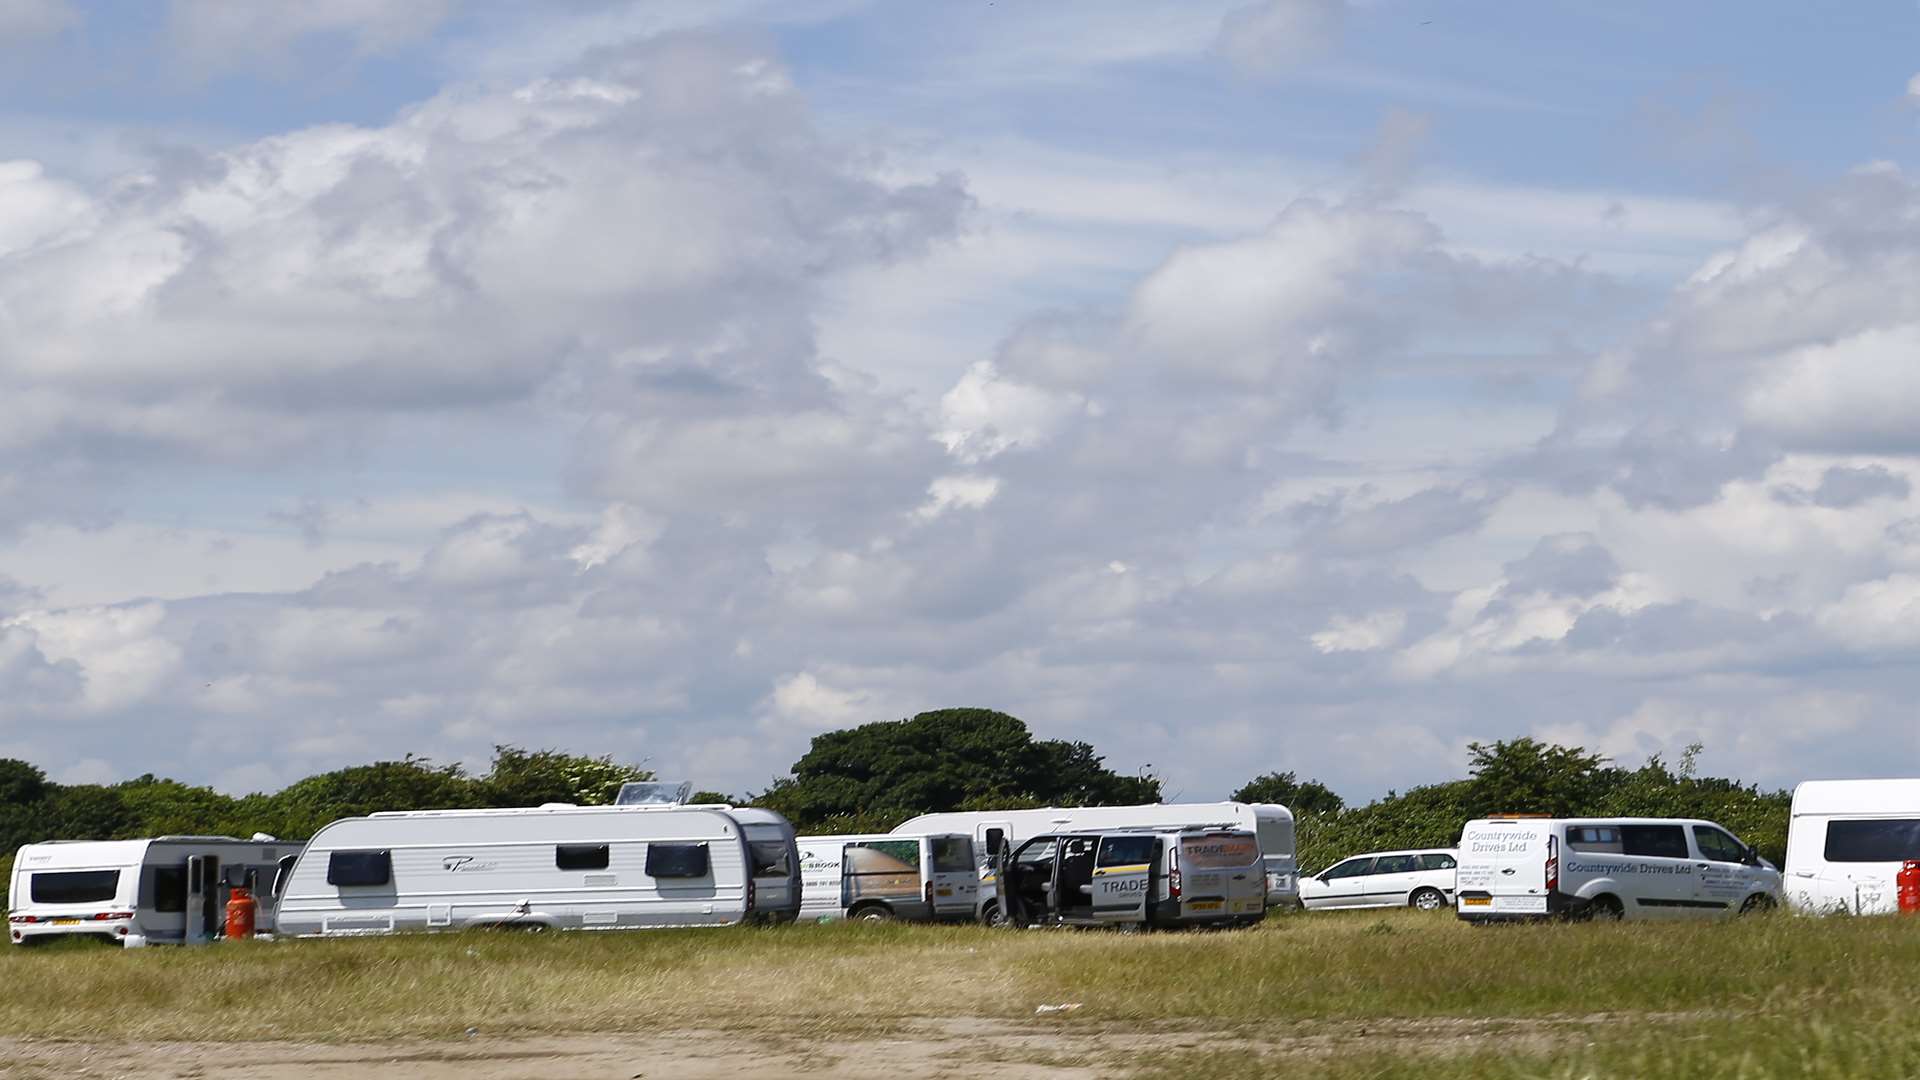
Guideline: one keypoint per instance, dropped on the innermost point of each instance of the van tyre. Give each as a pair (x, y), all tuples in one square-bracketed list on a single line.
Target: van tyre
[(1605, 908), (992, 915), (873, 913), (1427, 899), (1757, 904)]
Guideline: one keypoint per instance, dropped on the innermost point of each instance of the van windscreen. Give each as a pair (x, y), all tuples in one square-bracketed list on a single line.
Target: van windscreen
[(1883, 840), (74, 886)]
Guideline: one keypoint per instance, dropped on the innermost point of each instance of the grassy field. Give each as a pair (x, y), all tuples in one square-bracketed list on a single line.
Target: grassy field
[(1364, 995)]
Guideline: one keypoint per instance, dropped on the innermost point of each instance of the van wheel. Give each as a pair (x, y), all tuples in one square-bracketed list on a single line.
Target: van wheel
[(1605, 908), (873, 913), (1427, 899), (993, 915), (1757, 904)]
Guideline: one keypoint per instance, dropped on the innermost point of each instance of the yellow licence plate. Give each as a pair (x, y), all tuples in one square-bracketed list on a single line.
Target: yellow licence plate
[(1203, 905), (1476, 901), (66, 922)]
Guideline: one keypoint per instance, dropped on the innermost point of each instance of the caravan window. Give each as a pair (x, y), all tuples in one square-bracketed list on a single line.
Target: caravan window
[(1885, 840), (169, 888), (770, 858), (580, 856), (1655, 841), (952, 855), (996, 842), (677, 860), (75, 886), (349, 868)]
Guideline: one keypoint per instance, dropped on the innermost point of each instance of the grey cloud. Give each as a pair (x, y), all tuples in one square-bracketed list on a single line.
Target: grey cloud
[(1330, 527), (1567, 564), (1843, 486)]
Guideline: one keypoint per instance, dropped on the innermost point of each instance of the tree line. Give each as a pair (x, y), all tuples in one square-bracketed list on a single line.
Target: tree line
[(871, 777)]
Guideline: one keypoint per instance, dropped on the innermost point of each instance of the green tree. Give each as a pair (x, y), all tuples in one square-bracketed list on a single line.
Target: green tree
[(1525, 776), (21, 783), (528, 778), (412, 783), (1301, 797), (889, 770)]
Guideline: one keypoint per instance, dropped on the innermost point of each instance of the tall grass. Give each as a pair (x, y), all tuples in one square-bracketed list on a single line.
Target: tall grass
[(1550, 999)]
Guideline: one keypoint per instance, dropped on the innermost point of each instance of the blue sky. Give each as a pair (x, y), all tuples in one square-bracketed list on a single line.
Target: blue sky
[(1236, 385)]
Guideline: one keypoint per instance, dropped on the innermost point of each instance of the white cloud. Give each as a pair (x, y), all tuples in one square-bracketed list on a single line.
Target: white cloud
[(1362, 633), (27, 20), (1277, 35)]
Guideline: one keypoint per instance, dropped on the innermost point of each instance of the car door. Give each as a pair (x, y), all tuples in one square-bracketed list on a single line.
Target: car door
[(1122, 877), (1339, 886), (1724, 879), (1390, 882)]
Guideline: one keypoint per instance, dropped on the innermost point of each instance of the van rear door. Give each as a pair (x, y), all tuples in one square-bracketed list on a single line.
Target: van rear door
[(953, 876), (1222, 875), (1505, 866)]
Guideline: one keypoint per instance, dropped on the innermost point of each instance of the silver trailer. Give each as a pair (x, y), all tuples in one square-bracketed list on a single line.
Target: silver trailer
[(169, 890), (558, 867)]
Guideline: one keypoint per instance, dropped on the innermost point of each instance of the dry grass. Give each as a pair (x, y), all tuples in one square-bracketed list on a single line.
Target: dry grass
[(1376, 995)]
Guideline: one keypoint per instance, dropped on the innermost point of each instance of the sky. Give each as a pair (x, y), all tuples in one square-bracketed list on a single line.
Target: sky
[(1311, 385)]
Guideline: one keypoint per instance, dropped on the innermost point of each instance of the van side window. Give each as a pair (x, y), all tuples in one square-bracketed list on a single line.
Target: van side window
[(1601, 838), (1718, 846), (676, 860), (581, 856), (359, 868), (1436, 862), (170, 888), (1125, 850), (1350, 868), (1886, 840), (1655, 841)]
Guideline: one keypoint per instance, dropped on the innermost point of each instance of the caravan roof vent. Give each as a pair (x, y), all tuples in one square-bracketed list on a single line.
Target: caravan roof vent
[(654, 793)]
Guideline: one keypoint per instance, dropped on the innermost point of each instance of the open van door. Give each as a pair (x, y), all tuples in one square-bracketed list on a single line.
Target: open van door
[(1123, 877)]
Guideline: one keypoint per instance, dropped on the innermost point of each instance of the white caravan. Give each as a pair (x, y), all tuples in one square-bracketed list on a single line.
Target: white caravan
[(1134, 877), (170, 890), (557, 867), (992, 830), (1846, 841), (1634, 868), (881, 876)]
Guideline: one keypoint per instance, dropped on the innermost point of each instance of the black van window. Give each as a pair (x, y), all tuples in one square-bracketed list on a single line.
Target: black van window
[(1126, 850), (1885, 840), (348, 868), (74, 886), (580, 857), (1655, 841), (677, 860)]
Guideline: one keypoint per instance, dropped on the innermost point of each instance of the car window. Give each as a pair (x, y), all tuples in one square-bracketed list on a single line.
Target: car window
[(1126, 850), (1350, 868), (1436, 862), (1717, 845), (1655, 841), (1394, 864)]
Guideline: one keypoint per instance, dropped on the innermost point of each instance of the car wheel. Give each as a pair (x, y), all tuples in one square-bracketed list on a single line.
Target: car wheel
[(1757, 904), (1605, 909), (1428, 899)]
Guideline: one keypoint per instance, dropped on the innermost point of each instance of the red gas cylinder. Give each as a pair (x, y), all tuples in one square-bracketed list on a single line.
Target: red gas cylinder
[(1907, 887), (240, 910)]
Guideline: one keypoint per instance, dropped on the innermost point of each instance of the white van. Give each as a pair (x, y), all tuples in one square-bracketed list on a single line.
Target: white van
[(994, 830), (1634, 868), (552, 867), (1422, 878), (168, 890), (880, 876), (1846, 841), (1134, 877)]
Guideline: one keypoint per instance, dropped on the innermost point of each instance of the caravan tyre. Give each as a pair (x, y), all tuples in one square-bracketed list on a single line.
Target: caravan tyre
[(1427, 899)]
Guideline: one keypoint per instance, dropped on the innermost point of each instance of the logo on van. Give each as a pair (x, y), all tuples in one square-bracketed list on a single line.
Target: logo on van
[(465, 863)]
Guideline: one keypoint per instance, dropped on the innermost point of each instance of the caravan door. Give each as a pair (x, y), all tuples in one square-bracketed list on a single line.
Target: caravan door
[(1123, 877), (201, 897)]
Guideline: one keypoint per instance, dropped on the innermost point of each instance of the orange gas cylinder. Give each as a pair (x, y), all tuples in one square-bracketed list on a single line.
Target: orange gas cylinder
[(240, 910), (1907, 887)]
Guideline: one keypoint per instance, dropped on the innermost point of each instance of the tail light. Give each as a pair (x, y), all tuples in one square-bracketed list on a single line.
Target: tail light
[(929, 892), (106, 915), (1553, 865), (752, 894), (1173, 877), (22, 919)]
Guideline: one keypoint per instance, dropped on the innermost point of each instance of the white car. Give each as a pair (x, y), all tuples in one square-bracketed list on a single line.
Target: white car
[(1421, 879)]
